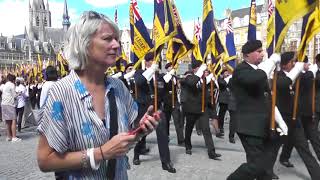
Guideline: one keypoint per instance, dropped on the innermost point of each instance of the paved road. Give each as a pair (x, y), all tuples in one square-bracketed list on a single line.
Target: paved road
[(18, 160)]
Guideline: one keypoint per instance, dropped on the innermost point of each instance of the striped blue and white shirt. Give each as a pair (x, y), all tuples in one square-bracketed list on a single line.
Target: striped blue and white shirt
[(69, 122)]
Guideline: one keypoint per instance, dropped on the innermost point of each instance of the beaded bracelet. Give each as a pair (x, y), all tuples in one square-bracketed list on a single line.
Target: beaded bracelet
[(85, 160)]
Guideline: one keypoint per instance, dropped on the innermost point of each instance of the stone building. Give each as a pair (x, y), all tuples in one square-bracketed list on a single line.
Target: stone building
[(39, 38)]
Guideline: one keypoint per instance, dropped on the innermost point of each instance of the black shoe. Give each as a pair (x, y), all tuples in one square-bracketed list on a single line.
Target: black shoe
[(213, 155), (136, 161), (199, 133), (188, 151), (144, 151), (222, 131), (274, 176), (219, 135), (168, 167), (180, 143), (231, 140), (287, 164)]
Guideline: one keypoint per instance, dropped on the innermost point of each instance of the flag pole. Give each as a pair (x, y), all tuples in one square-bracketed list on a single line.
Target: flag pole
[(274, 80), (314, 83)]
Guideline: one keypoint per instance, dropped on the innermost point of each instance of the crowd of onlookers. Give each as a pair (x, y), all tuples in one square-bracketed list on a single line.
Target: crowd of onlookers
[(15, 93)]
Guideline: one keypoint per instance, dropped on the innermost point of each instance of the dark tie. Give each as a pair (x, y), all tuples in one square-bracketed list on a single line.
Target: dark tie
[(111, 169)]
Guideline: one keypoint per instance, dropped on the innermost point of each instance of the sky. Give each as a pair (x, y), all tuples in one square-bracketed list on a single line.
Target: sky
[(14, 14)]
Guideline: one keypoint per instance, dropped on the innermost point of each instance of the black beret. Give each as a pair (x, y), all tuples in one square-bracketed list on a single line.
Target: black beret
[(286, 57), (127, 66), (169, 64), (195, 64), (187, 72), (224, 70), (251, 46), (149, 56)]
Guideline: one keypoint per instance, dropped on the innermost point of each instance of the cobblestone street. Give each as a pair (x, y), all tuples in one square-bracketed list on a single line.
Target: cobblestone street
[(18, 160)]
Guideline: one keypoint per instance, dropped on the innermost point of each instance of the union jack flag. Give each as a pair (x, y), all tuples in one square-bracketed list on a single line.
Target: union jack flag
[(228, 26), (270, 8), (197, 30), (116, 16), (135, 8)]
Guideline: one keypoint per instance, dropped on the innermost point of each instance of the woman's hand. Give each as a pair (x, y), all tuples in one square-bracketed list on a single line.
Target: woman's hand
[(117, 146), (150, 120)]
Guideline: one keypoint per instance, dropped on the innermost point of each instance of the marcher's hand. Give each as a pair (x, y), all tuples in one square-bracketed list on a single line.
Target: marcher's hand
[(118, 145), (283, 128), (306, 66), (149, 121)]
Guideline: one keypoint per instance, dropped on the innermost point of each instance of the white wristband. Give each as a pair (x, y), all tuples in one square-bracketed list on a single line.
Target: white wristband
[(90, 153)]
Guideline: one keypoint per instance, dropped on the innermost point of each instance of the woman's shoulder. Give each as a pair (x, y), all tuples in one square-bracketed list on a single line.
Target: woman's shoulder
[(115, 82), (63, 85)]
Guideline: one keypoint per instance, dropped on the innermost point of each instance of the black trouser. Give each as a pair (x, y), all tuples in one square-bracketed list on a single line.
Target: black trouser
[(33, 101), (162, 136), (258, 153), (203, 119), (19, 117), (311, 132), (310, 127), (296, 138), (177, 120), (141, 144), (222, 112), (232, 124)]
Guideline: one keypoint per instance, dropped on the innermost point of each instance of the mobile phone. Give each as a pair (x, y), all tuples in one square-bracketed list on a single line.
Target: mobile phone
[(138, 131)]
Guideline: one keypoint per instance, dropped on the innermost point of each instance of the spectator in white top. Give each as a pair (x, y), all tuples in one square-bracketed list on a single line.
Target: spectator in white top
[(52, 76), (3, 81), (8, 107), (21, 91)]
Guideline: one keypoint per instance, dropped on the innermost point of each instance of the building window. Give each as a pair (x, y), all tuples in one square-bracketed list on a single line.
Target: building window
[(2, 45), (45, 22), (293, 45), (14, 45), (37, 21)]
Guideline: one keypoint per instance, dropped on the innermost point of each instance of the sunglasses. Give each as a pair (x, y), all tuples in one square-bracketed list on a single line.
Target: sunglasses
[(89, 15)]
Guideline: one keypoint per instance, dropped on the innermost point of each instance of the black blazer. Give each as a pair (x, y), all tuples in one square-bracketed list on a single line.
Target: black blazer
[(130, 85), (167, 92), (285, 94), (318, 92), (305, 98), (192, 95), (224, 93), (252, 93), (145, 89)]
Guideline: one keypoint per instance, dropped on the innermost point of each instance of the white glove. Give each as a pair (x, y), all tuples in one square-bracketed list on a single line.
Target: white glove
[(168, 76), (209, 78), (150, 71), (283, 128), (295, 71), (275, 57), (201, 69), (228, 78), (117, 75), (314, 68), (269, 65), (129, 74)]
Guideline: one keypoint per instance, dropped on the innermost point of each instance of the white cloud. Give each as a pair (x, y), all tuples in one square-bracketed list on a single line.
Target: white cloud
[(56, 9), (14, 16), (106, 3), (188, 27), (146, 1)]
